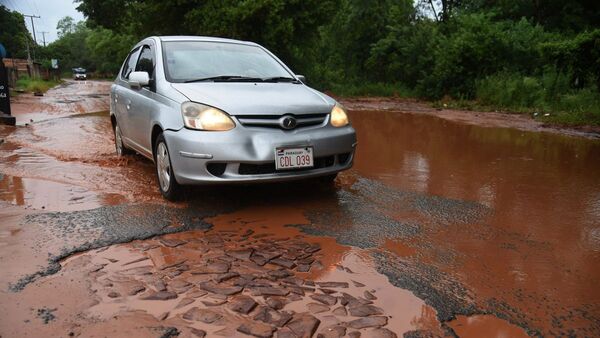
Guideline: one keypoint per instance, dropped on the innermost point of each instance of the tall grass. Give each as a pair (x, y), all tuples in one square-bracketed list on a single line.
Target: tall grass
[(35, 85), (546, 94)]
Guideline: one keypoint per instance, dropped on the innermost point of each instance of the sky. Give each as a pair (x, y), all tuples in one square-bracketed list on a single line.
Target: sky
[(50, 12)]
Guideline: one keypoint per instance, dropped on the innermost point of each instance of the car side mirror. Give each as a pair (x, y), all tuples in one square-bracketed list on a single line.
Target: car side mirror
[(138, 80), (302, 78)]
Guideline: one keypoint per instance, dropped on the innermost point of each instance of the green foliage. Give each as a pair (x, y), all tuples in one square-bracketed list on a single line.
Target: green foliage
[(99, 50), (556, 15), (519, 55), (107, 50), (14, 35), (34, 86), (579, 55), (548, 93), (66, 26), (70, 49), (477, 47), (511, 91)]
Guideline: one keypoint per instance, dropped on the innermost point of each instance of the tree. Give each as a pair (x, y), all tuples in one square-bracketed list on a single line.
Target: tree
[(440, 10), (560, 15), (66, 26), (14, 34), (108, 49), (111, 14), (70, 49), (287, 27)]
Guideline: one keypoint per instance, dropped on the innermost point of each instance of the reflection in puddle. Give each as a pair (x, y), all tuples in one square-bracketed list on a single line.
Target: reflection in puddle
[(46, 195), (431, 176), (542, 190), (485, 326), (182, 278)]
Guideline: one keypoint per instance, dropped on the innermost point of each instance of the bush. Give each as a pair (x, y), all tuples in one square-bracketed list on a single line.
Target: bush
[(477, 47), (549, 93), (510, 91), (35, 86)]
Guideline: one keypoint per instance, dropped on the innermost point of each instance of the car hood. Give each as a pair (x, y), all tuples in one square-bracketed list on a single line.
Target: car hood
[(249, 98)]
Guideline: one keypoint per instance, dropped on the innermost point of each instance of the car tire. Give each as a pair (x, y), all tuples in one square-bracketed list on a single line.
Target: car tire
[(119, 145), (167, 184)]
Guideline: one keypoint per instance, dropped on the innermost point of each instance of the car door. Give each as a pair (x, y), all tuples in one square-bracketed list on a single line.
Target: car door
[(143, 100), (122, 96)]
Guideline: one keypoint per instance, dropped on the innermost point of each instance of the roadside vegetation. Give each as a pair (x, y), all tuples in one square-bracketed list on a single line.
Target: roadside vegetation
[(27, 84), (522, 56)]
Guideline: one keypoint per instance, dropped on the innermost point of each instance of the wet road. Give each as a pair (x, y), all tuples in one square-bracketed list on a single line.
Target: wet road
[(453, 228)]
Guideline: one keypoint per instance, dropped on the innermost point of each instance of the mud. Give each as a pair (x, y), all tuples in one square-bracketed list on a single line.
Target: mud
[(485, 119), (40, 194), (447, 228), (69, 98), (485, 326)]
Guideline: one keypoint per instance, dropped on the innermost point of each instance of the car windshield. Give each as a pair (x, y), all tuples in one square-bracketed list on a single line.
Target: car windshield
[(198, 60)]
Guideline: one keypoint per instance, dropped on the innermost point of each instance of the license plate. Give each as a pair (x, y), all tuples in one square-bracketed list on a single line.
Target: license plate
[(291, 158)]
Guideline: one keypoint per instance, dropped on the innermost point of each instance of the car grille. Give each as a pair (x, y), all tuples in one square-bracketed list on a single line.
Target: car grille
[(216, 169), (272, 121), (269, 168)]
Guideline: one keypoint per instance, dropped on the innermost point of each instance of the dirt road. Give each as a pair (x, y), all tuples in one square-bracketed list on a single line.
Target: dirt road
[(442, 228)]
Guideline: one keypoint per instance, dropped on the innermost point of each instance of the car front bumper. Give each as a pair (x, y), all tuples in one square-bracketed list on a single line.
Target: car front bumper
[(248, 154)]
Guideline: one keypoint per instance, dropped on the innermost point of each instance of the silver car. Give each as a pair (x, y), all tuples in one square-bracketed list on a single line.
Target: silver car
[(210, 110)]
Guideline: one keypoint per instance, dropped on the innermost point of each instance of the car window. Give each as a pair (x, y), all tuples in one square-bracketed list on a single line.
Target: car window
[(130, 63), (146, 61), (187, 60)]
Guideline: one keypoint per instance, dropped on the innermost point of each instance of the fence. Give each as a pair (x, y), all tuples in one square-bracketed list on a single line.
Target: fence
[(17, 68)]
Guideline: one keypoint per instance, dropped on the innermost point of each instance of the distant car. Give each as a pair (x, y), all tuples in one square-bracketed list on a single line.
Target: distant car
[(79, 74), (210, 110)]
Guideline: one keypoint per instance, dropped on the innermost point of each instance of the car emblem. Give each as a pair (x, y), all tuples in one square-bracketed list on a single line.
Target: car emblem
[(288, 122)]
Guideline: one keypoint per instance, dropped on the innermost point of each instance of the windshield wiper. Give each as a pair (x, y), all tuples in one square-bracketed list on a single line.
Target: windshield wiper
[(280, 79), (226, 78)]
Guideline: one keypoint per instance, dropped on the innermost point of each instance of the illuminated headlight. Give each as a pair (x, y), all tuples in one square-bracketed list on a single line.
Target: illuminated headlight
[(201, 117), (339, 118)]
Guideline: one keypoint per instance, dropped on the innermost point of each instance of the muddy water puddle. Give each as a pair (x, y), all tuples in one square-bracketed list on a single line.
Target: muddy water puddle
[(85, 137), (51, 196), (537, 249), (253, 277), (513, 217), (77, 151), (485, 326), (67, 99)]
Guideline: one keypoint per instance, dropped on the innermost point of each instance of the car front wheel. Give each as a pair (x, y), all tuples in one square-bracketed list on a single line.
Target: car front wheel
[(119, 146), (167, 184)]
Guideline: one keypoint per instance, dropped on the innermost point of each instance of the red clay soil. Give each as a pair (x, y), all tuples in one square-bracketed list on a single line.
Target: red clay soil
[(485, 119)]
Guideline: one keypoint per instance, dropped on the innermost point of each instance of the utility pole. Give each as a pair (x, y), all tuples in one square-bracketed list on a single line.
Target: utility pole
[(33, 28), (32, 25), (44, 37)]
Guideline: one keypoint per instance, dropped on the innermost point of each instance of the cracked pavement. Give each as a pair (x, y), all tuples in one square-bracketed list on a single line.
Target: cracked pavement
[(440, 229)]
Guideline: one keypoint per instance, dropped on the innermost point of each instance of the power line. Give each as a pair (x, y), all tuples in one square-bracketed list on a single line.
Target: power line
[(37, 11), (44, 37), (12, 4), (29, 5), (32, 25), (33, 28)]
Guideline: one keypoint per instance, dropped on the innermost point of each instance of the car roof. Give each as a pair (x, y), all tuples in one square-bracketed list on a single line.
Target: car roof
[(202, 38)]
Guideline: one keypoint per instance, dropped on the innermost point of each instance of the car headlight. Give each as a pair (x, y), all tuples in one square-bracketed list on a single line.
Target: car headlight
[(201, 117), (339, 118)]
